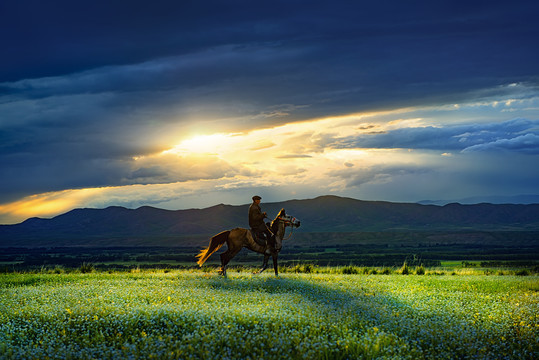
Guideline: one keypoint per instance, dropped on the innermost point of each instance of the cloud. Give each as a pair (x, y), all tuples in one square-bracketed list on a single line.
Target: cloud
[(83, 129), (378, 174), (294, 156), (170, 168), (527, 144), (518, 135), (192, 73)]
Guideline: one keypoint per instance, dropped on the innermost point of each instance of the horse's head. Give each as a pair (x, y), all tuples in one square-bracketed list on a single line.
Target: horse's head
[(289, 220), (278, 226)]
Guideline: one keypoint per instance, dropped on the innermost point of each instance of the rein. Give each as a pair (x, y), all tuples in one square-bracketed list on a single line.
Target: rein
[(291, 227)]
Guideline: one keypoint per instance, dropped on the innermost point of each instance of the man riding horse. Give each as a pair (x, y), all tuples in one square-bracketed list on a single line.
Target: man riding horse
[(238, 238), (256, 221)]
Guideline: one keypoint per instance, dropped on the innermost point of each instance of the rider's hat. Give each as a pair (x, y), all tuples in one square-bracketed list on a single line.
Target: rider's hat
[(256, 197)]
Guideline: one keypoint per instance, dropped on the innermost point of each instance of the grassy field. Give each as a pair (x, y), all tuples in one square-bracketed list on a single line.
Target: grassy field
[(183, 314)]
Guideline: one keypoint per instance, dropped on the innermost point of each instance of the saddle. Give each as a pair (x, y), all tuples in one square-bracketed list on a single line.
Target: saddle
[(259, 237)]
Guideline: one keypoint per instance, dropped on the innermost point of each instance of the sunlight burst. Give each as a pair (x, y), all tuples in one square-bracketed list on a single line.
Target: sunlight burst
[(203, 145)]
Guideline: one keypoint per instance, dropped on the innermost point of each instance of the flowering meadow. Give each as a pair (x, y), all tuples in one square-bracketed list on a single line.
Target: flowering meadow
[(198, 315)]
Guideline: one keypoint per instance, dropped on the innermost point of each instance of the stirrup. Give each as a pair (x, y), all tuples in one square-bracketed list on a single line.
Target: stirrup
[(257, 239)]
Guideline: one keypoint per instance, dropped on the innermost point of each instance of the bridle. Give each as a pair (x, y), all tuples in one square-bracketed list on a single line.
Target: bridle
[(287, 222)]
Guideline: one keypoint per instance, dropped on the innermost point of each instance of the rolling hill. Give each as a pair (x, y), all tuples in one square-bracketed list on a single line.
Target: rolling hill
[(118, 226)]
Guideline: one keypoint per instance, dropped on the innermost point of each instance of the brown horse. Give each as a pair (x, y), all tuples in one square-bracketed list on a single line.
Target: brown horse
[(238, 238)]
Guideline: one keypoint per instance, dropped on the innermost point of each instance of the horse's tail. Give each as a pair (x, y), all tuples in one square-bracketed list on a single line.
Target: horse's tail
[(215, 244)]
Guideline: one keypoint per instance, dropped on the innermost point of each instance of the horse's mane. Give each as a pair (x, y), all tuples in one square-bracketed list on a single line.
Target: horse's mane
[(274, 222)]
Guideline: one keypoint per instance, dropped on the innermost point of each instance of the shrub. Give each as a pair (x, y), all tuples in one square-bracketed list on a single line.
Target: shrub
[(308, 268), (300, 269), (86, 268), (350, 270), (523, 272), (294, 269), (405, 270), (420, 270)]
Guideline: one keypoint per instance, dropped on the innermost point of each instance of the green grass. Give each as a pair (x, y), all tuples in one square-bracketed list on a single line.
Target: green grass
[(198, 315)]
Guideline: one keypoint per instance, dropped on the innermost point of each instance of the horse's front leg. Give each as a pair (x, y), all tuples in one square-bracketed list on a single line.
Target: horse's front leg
[(264, 264), (274, 256)]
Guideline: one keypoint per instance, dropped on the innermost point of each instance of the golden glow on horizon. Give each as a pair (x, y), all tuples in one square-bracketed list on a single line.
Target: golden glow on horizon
[(45, 205), (54, 203)]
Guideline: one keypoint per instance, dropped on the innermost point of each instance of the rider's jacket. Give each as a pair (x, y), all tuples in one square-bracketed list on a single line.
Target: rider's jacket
[(256, 217)]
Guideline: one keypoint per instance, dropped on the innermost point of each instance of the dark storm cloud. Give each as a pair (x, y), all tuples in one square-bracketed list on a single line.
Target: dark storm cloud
[(67, 36), (350, 43), (86, 86), (519, 136)]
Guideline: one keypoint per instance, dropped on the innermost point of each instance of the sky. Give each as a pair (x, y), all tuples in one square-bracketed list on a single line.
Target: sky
[(189, 104)]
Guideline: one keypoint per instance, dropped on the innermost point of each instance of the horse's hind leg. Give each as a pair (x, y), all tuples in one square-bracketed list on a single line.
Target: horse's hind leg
[(226, 257)]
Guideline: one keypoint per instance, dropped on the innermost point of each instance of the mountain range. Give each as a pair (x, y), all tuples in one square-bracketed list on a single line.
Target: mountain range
[(499, 199), (118, 226)]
